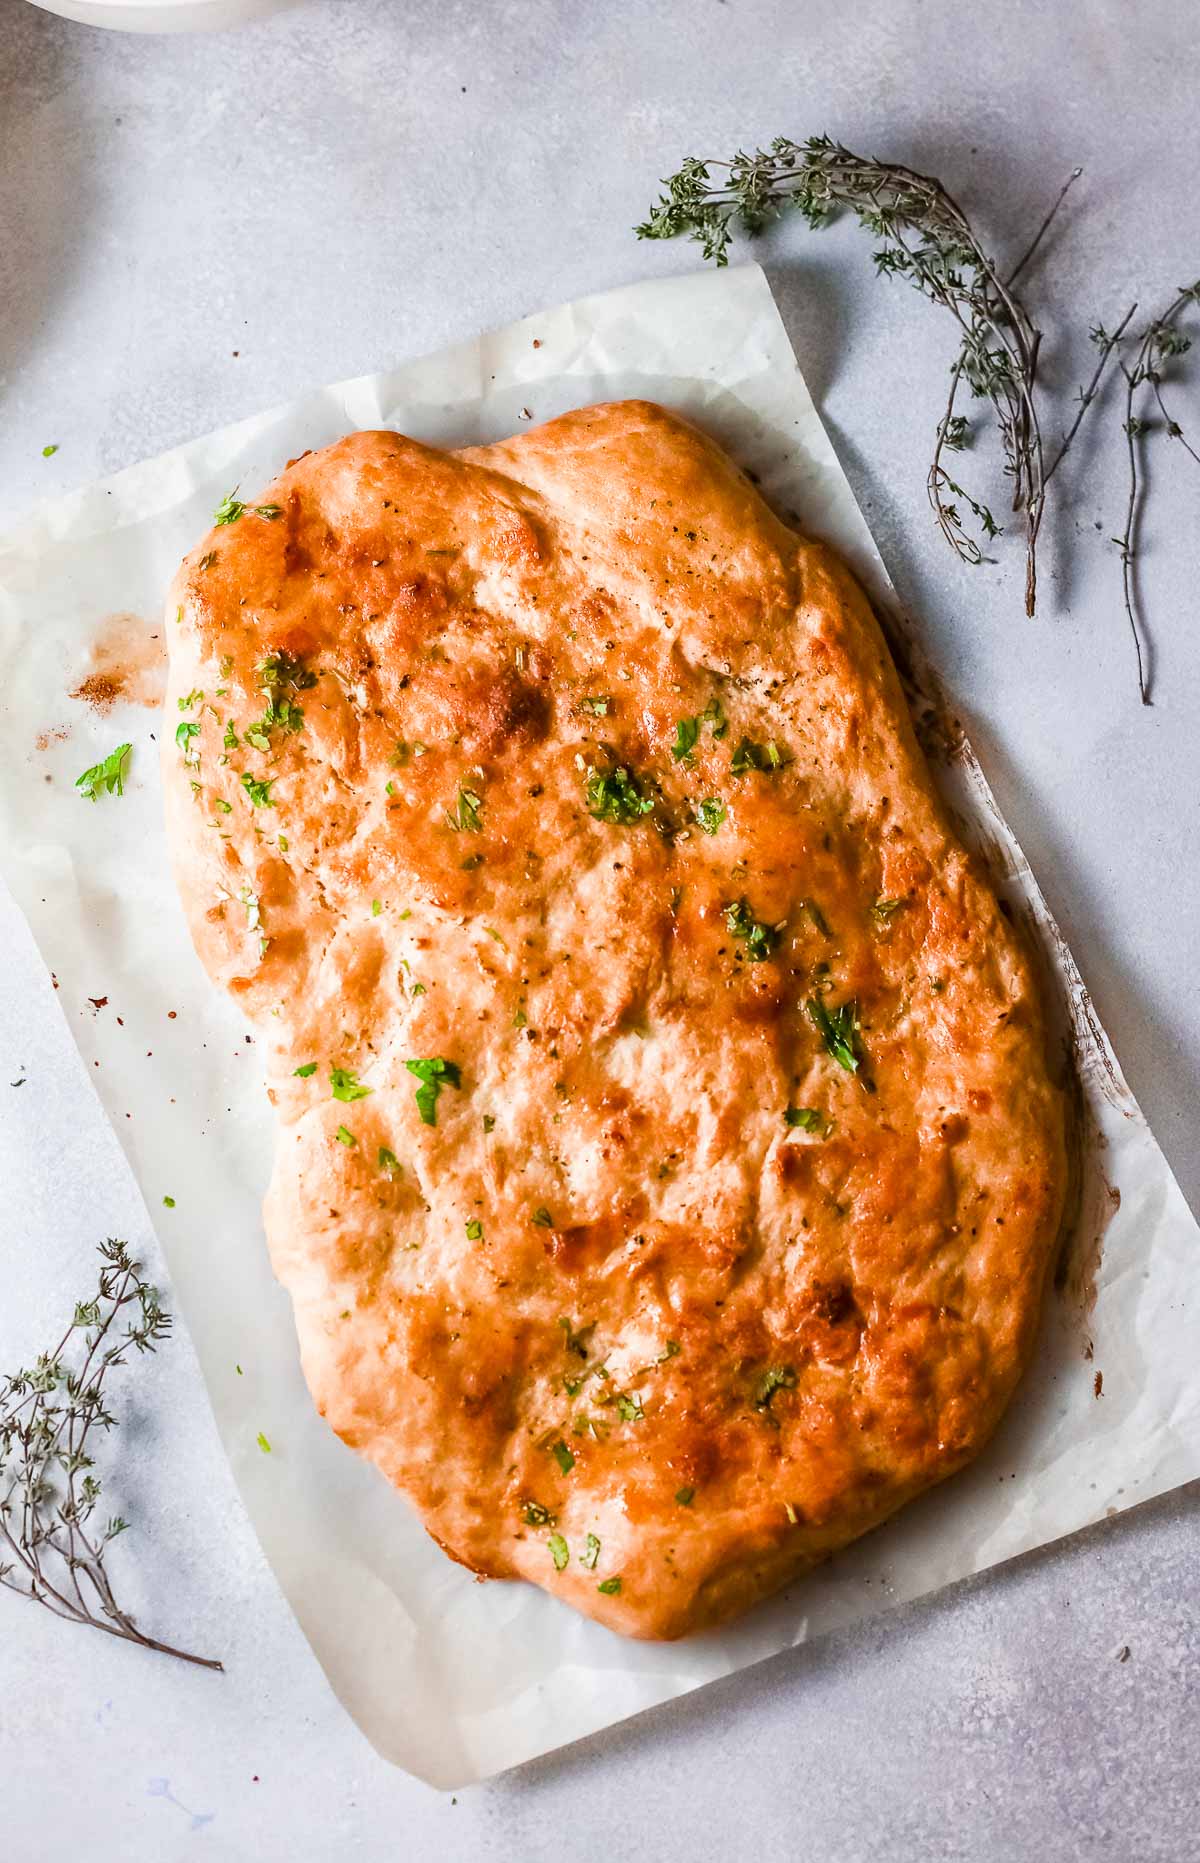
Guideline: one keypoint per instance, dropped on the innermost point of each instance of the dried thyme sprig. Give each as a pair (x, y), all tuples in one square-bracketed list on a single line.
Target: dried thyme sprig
[(927, 239), (49, 1549), (1157, 346)]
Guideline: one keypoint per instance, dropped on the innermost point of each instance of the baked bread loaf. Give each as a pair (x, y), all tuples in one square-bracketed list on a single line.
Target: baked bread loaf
[(668, 1159)]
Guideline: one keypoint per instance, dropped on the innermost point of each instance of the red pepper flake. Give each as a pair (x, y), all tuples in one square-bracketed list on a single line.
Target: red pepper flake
[(1098, 1386), (98, 1002), (171, 1013)]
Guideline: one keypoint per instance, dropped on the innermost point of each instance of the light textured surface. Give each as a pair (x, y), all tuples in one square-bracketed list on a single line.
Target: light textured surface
[(352, 183)]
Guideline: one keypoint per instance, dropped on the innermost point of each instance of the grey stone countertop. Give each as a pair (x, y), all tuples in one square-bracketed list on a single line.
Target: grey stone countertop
[(193, 228)]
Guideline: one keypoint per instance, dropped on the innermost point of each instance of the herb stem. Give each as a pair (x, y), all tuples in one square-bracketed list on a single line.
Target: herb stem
[(1087, 395)]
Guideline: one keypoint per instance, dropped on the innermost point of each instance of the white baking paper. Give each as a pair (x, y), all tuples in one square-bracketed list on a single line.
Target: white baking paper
[(450, 1678)]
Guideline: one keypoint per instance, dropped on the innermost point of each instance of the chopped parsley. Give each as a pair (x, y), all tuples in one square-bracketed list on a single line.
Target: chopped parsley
[(170, 1202), (535, 1515), (48, 452), (885, 910), (818, 917), (767, 757), (598, 707), (344, 1136), (106, 778), (687, 731), (774, 1378), (305, 1072), (263, 1444), (489, 1122), (591, 1552), (207, 560), (560, 1552), (542, 1218), (258, 792), (376, 908), (562, 1455), (629, 1409), (219, 802), (285, 669), (184, 733), (345, 1087), (388, 1160), (268, 511), (433, 1074), (761, 940), (229, 510), (615, 796), (190, 698), (838, 1029), (609, 1586), (474, 1230), (465, 817), (685, 1496), (231, 736), (808, 1119), (710, 814)]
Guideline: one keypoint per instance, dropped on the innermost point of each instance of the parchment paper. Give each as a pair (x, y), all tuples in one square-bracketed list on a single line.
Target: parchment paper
[(450, 1678)]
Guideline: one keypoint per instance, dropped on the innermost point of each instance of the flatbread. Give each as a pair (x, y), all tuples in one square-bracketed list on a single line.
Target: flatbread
[(712, 1223)]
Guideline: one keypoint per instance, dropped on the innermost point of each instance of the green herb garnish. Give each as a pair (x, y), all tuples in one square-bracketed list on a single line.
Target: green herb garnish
[(609, 1586), (590, 1555), (229, 510), (433, 1074), (710, 814), (629, 1409), (305, 1072), (774, 1378), (258, 792), (687, 731), (807, 1118), (48, 452), (169, 1202), (388, 1160), (108, 777), (562, 1455), (818, 917), (598, 707), (767, 757), (560, 1552), (474, 1230), (345, 1087), (542, 1218), (268, 511), (344, 1136), (263, 1444), (464, 817), (838, 1029), (685, 1496), (760, 939), (885, 910), (184, 734), (615, 796)]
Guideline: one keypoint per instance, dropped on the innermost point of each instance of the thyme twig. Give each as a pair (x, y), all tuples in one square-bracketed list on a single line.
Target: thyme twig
[(927, 238), (48, 1492), (1157, 345)]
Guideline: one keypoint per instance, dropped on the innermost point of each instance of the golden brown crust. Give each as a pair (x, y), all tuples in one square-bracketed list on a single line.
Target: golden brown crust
[(611, 1292)]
